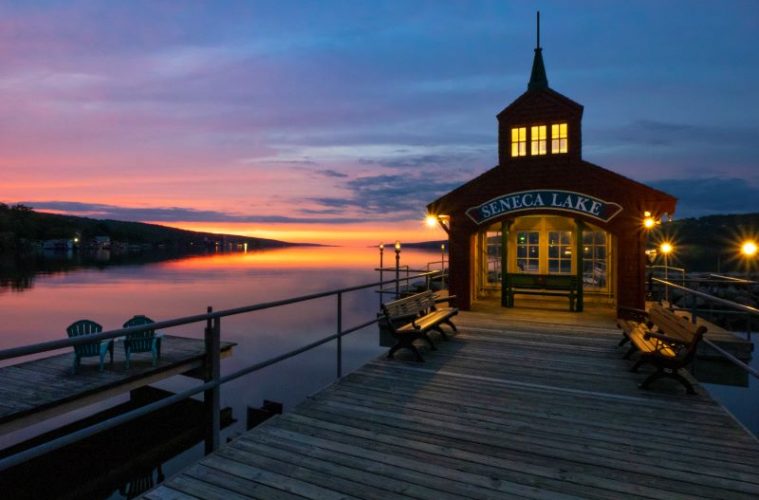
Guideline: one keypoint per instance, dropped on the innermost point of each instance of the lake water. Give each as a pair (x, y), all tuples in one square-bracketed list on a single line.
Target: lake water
[(38, 307)]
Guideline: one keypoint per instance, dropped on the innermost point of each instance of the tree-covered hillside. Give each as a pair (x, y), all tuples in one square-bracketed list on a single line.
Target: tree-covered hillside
[(710, 243), (21, 227)]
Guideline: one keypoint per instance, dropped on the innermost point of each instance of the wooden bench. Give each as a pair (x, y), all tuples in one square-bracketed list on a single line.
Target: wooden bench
[(413, 317), (541, 284), (663, 339)]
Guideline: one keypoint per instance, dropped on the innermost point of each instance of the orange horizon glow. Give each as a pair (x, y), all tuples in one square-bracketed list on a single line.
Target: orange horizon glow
[(352, 235), (304, 257)]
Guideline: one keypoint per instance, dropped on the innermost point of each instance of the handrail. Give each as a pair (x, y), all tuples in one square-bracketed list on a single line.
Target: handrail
[(733, 278), (210, 385), (669, 268), (67, 439), (729, 303), (741, 307), (732, 358), (52, 345)]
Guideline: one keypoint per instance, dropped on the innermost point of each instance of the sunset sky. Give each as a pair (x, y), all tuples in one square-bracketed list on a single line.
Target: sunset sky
[(331, 121)]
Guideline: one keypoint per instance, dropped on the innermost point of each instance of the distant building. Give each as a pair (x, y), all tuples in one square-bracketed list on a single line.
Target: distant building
[(58, 244), (102, 242), (545, 211)]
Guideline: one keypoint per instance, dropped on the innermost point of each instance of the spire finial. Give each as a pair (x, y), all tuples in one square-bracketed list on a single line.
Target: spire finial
[(538, 45), (538, 78)]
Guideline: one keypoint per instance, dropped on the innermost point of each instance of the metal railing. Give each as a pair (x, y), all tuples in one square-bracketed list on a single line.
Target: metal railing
[(212, 380), (667, 269), (742, 308)]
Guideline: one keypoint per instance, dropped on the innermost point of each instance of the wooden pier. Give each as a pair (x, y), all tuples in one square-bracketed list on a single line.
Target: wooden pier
[(43, 388), (527, 404)]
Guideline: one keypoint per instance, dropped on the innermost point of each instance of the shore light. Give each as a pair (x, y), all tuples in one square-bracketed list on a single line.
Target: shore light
[(666, 248), (749, 248), (430, 220)]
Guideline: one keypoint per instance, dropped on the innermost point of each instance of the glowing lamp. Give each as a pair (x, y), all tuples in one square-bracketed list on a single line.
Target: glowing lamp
[(666, 248), (381, 246), (397, 246), (431, 220), (649, 222), (748, 248)]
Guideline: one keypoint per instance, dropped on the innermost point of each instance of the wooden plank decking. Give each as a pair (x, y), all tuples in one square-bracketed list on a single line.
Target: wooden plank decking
[(36, 390), (510, 407)]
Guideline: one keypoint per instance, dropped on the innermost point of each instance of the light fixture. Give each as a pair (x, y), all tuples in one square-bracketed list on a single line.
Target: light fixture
[(666, 248), (397, 246), (749, 248), (430, 220)]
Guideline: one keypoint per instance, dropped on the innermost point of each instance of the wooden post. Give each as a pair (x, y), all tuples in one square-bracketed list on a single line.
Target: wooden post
[(339, 334), (211, 399), (505, 226), (382, 281), (579, 225), (504, 262)]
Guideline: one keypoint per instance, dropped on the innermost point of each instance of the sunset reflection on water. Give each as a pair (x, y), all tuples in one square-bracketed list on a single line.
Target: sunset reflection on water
[(180, 287), (174, 288)]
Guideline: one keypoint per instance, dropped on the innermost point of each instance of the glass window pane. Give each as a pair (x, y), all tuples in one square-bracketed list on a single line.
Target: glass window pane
[(534, 252), (600, 237), (534, 238), (521, 251), (566, 237), (553, 252), (566, 266), (532, 266), (553, 266)]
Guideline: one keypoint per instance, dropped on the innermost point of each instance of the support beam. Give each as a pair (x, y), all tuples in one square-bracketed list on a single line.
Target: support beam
[(579, 227), (505, 228)]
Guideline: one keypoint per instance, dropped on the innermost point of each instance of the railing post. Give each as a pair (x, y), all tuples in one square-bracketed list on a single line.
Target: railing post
[(211, 399), (381, 271), (397, 273), (748, 327), (339, 334)]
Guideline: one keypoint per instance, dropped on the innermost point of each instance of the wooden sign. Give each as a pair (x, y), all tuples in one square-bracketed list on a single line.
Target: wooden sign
[(544, 199)]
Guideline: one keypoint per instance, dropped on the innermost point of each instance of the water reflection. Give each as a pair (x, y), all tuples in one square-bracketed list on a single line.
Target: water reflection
[(18, 272), (162, 288)]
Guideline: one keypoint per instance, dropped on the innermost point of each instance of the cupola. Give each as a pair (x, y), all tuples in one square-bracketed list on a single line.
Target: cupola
[(541, 124)]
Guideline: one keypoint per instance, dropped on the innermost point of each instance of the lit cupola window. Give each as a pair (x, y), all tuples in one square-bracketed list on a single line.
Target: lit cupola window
[(538, 140), (519, 141), (558, 138)]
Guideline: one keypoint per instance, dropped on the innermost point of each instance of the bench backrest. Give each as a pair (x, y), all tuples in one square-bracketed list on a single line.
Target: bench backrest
[(543, 281), (677, 327), (413, 305)]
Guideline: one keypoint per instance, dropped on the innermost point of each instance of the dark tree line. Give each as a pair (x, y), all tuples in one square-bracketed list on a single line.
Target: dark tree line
[(21, 227)]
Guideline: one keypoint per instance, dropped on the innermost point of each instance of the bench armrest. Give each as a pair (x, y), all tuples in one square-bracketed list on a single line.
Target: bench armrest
[(444, 299), (663, 337), (639, 315)]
